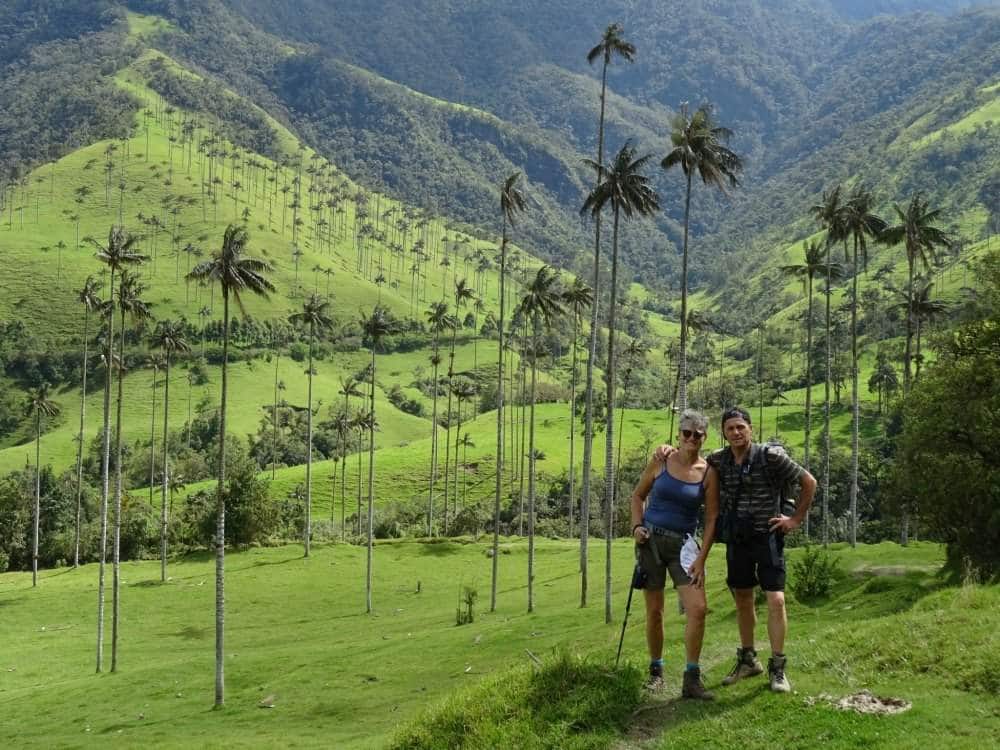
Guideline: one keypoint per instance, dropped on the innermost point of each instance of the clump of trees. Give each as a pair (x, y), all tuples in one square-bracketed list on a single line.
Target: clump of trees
[(945, 469)]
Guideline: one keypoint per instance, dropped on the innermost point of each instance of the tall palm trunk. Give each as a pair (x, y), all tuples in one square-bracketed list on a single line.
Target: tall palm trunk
[(307, 531), (105, 470), (588, 411), (152, 439), (826, 407), (371, 493), (498, 480), (274, 417), (434, 444), (572, 423), (855, 403), (808, 425), (609, 434), (361, 449), (621, 428), (343, 494), (116, 538), (79, 449), (447, 431), (38, 497), (531, 471), (166, 472), (524, 433), (220, 526), (682, 377), (907, 357)]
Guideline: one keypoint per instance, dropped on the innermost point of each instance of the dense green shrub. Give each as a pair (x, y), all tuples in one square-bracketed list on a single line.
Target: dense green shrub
[(814, 574), (946, 470)]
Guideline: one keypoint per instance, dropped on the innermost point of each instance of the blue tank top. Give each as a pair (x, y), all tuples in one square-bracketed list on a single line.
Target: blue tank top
[(673, 504)]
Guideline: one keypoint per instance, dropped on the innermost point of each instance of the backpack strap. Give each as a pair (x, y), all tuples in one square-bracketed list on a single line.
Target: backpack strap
[(776, 491), (718, 459)]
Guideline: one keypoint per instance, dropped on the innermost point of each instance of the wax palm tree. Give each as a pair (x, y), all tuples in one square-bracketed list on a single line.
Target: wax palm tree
[(465, 390), (830, 214), (236, 274), (119, 253), (39, 405), (813, 263), (699, 146), (171, 338), (578, 296), (624, 188), (463, 295), (860, 224), (511, 203), (316, 314), (541, 305), (920, 239), (131, 306), (883, 379), (342, 427), (439, 321), (375, 327), (611, 46), (87, 296), (348, 389)]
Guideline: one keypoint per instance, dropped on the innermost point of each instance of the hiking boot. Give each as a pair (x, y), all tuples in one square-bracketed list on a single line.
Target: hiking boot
[(655, 682), (694, 687), (776, 673), (747, 665)]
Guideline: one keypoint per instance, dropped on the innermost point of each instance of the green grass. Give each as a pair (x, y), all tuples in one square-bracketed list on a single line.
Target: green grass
[(142, 26), (252, 383), (891, 626), (987, 112), (296, 631), (569, 702)]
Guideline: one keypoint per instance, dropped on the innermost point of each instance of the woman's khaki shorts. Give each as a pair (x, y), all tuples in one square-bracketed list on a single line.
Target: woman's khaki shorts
[(666, 558)]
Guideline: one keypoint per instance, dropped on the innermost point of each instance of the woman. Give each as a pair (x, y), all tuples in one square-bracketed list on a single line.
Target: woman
[(665, 506)]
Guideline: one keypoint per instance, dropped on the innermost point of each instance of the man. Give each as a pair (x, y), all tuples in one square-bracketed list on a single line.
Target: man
[(750, 475)]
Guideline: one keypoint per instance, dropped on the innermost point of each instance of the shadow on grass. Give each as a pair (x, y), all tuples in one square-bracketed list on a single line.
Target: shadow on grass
[(439, 548), (659, 714), (192, 633), (147, 584), (875, 593)]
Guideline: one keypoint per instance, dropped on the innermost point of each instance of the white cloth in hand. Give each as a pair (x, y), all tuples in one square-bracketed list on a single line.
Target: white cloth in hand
[(689, 552)]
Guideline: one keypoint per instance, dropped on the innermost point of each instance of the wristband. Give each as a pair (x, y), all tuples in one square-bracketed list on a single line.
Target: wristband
[(638, 526)]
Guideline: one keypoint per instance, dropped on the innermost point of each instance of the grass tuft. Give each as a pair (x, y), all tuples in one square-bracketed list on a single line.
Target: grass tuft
[(570, 702)]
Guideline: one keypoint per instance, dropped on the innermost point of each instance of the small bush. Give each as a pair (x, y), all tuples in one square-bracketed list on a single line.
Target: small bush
[(468, 601), (814, 574)]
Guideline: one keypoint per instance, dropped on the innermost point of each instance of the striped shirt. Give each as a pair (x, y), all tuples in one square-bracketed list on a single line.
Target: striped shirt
[(757, 493)]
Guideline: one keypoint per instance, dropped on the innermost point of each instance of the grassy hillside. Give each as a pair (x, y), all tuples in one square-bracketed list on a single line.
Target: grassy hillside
[(336, 677)]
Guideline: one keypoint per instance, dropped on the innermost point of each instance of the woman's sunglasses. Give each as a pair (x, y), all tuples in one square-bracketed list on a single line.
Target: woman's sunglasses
[(696, 434)]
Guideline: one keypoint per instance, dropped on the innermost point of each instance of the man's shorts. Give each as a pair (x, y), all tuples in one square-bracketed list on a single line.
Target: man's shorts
[(659, 555), (761, 560)]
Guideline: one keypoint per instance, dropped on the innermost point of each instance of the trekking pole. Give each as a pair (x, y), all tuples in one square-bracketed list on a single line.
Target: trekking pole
[(636, 575)]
